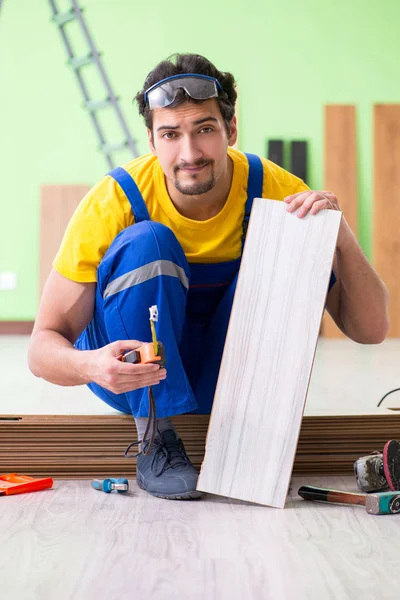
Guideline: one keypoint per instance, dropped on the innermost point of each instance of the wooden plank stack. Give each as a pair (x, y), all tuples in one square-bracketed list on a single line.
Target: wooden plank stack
[(80, 447)]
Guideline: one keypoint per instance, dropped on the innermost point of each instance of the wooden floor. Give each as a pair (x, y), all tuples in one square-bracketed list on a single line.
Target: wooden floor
[(74, 543)]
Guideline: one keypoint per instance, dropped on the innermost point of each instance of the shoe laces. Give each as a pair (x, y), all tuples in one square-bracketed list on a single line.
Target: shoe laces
[(146, 449), (168, 456), (171, 455), (129, 447)]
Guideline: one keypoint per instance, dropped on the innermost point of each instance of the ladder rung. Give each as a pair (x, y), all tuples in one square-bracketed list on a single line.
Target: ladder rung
[(108, 148), (61, 18), (98, 104), (80, 61)]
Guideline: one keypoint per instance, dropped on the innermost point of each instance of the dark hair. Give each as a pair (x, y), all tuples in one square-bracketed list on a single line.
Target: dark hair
[(177, 64)]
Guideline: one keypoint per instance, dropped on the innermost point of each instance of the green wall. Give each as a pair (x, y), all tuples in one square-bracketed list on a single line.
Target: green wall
[(289, 57)]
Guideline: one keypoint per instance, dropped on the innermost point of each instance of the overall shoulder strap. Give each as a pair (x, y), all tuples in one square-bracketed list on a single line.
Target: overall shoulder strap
[(254, 187), (132, 192)]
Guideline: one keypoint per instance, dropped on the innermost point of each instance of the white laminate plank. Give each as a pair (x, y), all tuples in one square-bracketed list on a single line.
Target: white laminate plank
[(268, 355)]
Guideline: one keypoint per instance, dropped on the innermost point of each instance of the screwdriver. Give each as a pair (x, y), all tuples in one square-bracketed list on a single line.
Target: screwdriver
[(110, 484)]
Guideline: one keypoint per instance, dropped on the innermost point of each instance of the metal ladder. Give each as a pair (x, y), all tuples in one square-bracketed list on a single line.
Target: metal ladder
[(62, 19)]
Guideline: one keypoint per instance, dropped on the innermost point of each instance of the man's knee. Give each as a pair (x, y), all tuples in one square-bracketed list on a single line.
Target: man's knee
[(139, 245), (149, 237)]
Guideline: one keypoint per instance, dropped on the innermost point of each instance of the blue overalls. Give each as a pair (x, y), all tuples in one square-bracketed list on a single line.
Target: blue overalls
[(146, 265)]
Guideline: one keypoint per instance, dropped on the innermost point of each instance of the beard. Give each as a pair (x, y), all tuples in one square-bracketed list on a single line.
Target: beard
[(197, 187)]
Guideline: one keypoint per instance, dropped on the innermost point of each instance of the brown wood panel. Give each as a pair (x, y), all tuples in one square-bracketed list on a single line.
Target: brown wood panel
[(16, 327), (50, 209), (340, 174), (386, 208), (58, 203)]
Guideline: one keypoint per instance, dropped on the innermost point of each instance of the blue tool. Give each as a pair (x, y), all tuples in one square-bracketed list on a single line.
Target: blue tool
[(120, 485)]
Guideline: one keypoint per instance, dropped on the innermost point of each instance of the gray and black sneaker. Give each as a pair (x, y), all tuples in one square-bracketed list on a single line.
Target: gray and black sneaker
[(166, 472)]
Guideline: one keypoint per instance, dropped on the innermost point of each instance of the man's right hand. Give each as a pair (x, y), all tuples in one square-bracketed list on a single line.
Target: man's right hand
[(104, 367), (65, 310)]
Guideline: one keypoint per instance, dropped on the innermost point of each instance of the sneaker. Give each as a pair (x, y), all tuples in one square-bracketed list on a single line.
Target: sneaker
[(166, 472)]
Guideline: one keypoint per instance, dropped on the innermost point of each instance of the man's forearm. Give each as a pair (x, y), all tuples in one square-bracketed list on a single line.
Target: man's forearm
[(54, 358), (363, 295)]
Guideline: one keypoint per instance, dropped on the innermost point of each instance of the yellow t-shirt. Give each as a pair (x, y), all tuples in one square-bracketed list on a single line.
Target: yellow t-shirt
[(105, 211)]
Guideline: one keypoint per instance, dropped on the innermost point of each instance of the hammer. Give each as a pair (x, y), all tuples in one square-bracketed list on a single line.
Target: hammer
[(384, 503)]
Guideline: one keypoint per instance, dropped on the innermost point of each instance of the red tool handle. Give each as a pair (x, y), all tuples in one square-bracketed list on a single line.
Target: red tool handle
[(13, 483)]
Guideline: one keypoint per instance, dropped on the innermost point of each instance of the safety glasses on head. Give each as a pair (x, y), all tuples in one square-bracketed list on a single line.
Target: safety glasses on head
[(198, 87)]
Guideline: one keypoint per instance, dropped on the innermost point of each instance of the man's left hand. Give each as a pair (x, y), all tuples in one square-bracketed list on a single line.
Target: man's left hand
[(311, 202)]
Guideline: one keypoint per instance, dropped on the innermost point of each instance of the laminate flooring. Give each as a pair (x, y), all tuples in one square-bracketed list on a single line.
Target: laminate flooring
[(74, 543)]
